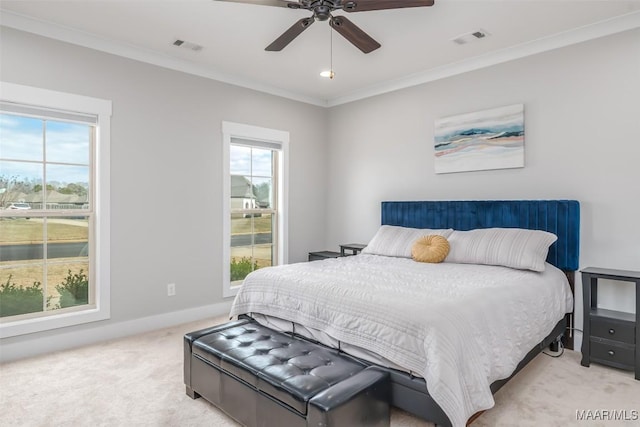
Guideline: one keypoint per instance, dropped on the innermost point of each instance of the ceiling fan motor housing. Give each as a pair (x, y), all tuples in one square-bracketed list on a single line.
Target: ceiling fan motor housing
[(322, 12), (321, 8)]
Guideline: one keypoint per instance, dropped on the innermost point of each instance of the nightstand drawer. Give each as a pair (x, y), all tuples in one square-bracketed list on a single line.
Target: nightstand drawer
[(617, 355), (613, 330)]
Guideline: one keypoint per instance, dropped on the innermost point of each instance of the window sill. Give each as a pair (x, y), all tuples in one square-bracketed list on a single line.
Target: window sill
[(231, 290), (55, 321)]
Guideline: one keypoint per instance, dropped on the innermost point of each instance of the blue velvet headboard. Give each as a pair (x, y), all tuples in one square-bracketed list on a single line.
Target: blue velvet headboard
[(560, 217)]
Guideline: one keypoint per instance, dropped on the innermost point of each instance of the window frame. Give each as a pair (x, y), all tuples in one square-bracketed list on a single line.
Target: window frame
[(231, 130), (101, 108)]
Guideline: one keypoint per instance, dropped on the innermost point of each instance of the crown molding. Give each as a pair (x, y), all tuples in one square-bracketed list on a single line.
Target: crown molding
[(604, 28), (70, 35), (578, 35)]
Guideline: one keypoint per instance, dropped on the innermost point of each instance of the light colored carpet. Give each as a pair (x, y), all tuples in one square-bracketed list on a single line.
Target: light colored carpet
[(137, 381)]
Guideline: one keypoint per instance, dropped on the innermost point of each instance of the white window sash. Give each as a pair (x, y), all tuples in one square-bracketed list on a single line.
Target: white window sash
[(44, 99), (241, 134)]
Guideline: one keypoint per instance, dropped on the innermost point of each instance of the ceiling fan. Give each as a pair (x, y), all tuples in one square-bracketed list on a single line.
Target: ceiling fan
[(322, 12)]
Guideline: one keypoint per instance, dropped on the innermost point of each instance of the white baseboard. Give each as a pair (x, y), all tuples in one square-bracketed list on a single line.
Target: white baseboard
[(58, 340)]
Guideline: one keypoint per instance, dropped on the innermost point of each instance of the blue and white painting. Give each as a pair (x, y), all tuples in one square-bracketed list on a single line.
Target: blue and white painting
[(489, 139)]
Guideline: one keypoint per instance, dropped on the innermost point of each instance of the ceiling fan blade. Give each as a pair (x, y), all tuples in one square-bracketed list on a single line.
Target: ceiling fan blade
[(278, 3), (355, 35), (287, 37), (365, 5)]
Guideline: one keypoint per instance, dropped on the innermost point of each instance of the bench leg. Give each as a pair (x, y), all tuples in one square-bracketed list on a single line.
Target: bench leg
[(191, 393)]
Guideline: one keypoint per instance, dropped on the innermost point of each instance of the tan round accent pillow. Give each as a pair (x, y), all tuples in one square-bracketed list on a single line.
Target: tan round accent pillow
[(432, 248)]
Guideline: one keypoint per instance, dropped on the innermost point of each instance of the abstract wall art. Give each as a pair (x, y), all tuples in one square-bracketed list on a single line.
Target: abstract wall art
[(483, 140)]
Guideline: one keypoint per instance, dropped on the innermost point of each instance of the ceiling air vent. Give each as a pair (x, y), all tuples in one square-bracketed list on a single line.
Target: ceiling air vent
[(471, 37), (188, 45)]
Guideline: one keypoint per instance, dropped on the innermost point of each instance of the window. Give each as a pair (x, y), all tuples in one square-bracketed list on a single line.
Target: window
[(254, 201), (54, 216)]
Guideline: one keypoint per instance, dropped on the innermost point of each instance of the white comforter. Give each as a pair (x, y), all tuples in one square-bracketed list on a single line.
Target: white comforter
[(461, 326)]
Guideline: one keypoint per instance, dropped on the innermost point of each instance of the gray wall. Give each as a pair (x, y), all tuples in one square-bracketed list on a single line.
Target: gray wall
[(166, 180), (582, 128)]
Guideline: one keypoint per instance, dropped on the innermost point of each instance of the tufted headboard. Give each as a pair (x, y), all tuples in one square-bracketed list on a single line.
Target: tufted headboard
[(560, 217)]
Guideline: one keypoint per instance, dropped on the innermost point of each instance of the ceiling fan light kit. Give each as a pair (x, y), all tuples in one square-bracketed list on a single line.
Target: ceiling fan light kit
[(322, 11)]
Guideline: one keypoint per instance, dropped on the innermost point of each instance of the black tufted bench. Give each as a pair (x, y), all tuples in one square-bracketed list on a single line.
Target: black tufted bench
[(265, 378)]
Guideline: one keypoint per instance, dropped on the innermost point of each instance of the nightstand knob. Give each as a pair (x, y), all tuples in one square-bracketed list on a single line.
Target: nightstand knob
[(612, 331), (611, 353)]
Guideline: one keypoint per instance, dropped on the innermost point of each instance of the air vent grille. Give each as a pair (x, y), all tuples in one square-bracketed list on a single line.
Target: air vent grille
[(188, 45), (471, 37)]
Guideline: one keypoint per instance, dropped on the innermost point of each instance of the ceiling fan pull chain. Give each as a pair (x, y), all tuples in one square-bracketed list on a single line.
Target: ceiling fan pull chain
[(331, 73)]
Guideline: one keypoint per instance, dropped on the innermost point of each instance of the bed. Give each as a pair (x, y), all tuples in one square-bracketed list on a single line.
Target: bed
[(451, 334)]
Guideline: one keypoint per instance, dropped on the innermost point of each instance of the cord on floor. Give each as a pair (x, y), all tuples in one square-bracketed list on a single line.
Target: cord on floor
[(559, 353)]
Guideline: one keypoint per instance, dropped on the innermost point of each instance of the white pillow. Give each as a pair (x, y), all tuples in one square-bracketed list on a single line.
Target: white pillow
[(509, 247), (394, 241)]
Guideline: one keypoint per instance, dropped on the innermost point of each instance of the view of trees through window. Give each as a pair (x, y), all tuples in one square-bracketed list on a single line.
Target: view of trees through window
[(253, 214), (45, 214)]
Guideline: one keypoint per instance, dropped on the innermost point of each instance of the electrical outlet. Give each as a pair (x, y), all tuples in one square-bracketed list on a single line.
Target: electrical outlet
[(171, 289)]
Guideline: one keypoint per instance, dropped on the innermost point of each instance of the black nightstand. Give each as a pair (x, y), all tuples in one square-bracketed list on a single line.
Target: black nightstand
[(610, 337), (355, 248), (315, 256)]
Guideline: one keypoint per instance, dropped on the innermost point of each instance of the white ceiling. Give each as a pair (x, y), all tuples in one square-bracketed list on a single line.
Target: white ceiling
[(416, 42)]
